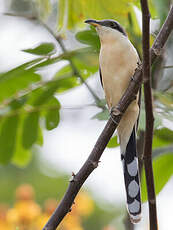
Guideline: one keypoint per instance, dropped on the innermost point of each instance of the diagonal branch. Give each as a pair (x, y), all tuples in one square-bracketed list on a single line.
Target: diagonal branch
[(147, 154), (93, 159)]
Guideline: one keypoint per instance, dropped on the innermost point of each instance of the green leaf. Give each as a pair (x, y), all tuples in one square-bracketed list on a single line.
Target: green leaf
[(63, 71), (162, 137), (67, 83), (30, 129), (52, 113), (104, 115), (113, 142), (45, 93), (89, 37), (43, 49), (8, 138), (21, 156), (15, 80), (163, 170)]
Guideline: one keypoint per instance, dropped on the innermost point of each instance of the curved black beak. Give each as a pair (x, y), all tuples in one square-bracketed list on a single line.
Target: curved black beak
[(92, 22)]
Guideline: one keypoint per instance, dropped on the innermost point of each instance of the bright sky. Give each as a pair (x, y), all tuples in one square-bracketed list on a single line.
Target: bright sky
[(68, 146)]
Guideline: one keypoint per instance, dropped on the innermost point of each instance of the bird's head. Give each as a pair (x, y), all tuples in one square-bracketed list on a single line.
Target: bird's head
[(107, 29)]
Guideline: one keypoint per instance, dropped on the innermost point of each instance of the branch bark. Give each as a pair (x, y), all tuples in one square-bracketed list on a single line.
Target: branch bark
[(147, 155), (93, 159)]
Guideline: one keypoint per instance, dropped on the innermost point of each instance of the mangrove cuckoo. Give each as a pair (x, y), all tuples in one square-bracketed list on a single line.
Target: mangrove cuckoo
[(118, 60)]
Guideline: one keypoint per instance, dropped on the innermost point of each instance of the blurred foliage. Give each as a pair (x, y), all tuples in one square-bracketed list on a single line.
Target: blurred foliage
[(27, 214), (162, 163), (28, 102), (163, 170), (26, 208)]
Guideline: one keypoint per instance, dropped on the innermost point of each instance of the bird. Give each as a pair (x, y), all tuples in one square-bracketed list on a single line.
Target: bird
[(118, 60)]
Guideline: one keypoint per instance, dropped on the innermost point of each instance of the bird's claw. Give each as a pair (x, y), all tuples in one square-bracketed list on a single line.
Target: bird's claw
[(114, 112)]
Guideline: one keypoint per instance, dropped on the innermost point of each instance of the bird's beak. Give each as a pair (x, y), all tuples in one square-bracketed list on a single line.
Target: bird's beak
[(92, 22)]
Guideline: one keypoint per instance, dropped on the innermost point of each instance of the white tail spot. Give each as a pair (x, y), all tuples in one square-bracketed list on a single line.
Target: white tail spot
[(133, 167), (133, 189), (134, 206)]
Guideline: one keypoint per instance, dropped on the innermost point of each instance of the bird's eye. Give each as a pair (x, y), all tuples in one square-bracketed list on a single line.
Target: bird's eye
[(113, 25)]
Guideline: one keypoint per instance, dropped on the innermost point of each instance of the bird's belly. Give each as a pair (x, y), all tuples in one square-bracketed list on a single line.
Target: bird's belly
[(117, 68)]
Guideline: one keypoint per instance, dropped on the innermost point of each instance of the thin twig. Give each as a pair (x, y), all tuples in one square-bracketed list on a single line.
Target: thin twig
[(93, 159), (147, 155)]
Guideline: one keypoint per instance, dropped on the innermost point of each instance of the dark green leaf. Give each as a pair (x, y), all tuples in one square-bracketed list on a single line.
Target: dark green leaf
[(17, 104), (43, 49), (45, 93), (30, 129), (52, 113), (8, 138), (163, 170), (113, 142)]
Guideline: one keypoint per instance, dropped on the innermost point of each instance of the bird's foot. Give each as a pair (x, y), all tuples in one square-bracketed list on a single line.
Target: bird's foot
[(114, 112)]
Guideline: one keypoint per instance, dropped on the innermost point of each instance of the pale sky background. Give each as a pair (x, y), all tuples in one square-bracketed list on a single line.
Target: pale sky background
[(67, 147)]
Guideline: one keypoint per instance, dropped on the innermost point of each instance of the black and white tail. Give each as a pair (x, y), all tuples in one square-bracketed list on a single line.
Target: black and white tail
[(131, 179)]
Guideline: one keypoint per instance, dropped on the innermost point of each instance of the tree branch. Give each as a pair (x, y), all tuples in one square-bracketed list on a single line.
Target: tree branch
[(93, 159), (147, 155)]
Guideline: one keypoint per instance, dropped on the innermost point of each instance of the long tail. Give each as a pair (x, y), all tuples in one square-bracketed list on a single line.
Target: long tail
[(131, 179)]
